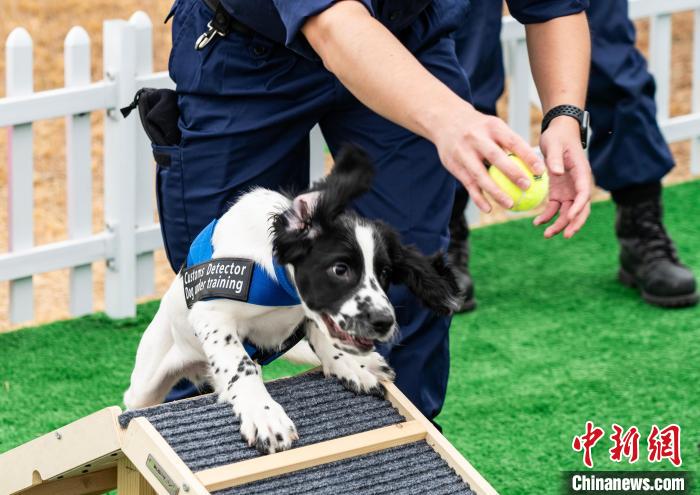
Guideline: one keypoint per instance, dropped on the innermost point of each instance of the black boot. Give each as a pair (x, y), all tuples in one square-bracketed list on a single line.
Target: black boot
[(458, 252), (648, 258)]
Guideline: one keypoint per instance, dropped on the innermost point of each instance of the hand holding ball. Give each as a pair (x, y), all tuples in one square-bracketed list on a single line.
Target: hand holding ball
[(522, 200)]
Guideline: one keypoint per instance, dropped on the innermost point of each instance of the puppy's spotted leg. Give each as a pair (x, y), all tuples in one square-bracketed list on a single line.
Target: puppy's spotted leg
[(359, 373), (238, 381)]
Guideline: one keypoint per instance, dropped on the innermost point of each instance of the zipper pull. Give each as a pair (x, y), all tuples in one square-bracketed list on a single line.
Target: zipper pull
[(131, 106)]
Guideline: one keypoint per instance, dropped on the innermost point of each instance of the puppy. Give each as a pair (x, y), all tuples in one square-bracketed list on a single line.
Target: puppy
[(336, 268)]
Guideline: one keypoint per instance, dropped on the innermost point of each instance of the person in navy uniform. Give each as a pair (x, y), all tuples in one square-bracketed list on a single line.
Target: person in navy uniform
[(628, 153), (253, 78)]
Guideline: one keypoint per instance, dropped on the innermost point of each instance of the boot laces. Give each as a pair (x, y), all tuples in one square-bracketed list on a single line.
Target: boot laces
[(656, 241)]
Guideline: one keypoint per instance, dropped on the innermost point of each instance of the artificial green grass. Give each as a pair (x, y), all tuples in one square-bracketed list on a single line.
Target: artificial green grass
[(555, 341)]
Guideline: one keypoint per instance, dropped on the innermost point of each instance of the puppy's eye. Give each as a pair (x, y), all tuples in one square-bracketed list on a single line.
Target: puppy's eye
[(385, 274), (340, 270)]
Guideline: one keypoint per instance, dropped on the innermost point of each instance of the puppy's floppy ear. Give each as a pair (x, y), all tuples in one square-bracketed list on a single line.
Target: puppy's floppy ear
[(292, 230), (428, 277), (350, 178)]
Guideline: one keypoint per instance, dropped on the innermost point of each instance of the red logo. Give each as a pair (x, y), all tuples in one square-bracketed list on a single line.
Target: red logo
[(587, 441), (665, 444), (661, 444), (625, 445)]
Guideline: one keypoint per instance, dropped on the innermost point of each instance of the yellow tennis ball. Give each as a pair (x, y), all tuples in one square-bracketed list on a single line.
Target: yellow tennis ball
[(522, 200)]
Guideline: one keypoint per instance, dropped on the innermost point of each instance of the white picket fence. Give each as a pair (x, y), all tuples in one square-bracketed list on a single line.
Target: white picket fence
[(130, 238)]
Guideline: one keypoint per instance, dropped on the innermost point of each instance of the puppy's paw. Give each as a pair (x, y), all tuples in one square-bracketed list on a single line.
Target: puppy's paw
[(360, 374), (265, 425)]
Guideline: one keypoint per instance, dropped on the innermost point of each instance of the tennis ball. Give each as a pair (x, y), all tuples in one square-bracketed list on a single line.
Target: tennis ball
[(522, 200)]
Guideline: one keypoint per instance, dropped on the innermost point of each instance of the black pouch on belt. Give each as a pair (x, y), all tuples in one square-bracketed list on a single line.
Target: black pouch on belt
[(159, 115)]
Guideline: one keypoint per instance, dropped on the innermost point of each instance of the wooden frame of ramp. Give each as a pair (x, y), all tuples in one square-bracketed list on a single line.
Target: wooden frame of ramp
[(94, 455)]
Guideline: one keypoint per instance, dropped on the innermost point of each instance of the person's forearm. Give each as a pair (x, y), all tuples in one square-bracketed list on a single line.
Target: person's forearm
[(560, 56), (375, 67), (378, 69)]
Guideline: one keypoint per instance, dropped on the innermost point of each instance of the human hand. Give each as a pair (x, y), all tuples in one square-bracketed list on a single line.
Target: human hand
[(569, 179), (468, 139)]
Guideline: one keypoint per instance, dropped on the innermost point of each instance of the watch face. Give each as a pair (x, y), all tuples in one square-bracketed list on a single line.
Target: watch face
[(585, 120), (585, 129)]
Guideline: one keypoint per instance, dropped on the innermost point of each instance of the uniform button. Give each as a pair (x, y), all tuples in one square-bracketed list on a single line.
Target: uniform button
[(394, 15)]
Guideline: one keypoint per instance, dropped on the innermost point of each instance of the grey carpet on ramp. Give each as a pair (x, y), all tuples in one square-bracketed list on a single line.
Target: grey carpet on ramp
[(406, 470), (205, 434)]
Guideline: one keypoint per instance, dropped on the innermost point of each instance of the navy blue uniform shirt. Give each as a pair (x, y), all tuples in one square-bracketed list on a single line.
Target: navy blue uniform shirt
[(281, 20)]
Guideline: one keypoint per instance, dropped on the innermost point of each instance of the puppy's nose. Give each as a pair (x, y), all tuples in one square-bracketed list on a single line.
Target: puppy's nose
[(382, 322)]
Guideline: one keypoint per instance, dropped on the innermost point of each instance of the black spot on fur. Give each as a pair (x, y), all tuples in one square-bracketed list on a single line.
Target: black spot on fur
[(263, 445), (228, 339), (267, 408), (363, 306)]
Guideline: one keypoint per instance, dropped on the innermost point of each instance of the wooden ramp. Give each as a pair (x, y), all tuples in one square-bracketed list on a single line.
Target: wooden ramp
[(348, 444)]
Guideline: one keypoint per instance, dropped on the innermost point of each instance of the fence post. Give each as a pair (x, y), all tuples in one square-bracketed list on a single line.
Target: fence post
[(119, 171), (660, 62), (76, 50), (317, 154), (519, 88), (695, 146), (19, 82), (145, 173)]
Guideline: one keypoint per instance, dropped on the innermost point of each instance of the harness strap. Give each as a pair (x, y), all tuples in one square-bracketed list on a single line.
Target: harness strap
[(266, 357)]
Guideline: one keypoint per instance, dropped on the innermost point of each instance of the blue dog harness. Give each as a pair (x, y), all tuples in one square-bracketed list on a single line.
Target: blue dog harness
[(206, 278)]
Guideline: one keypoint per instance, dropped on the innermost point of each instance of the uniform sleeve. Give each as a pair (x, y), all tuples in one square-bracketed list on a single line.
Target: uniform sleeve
[(533, 11), (295, 13)]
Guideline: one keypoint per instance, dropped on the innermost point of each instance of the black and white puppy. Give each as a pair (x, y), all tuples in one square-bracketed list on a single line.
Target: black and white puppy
[(341, 265)]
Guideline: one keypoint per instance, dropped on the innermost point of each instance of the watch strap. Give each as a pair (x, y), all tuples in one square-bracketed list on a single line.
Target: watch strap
[(569, 111)]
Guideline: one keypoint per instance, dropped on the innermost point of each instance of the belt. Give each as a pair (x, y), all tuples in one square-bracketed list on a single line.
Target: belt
[(220, 25)]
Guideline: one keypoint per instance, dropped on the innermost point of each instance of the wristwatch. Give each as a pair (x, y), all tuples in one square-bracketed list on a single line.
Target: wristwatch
[(572, 111)]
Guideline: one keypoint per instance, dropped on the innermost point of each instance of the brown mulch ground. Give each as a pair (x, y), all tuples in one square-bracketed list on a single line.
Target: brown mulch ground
[(49, 22)]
